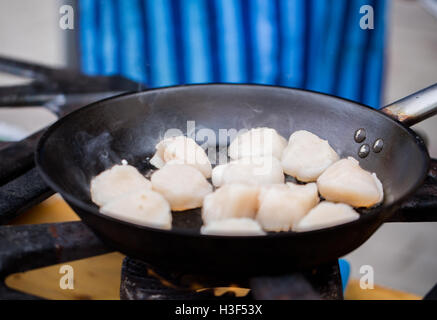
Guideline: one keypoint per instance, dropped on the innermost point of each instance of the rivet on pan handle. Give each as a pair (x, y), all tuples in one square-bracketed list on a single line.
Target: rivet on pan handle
[(414, 108)]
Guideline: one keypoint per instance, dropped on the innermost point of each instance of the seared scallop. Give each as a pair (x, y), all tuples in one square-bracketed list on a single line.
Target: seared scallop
[(181, 150), (115, 182), (145, 207), (307, 156), (230, 201), (233, 227), (282, 206), (307, 193), (326, 214), (217, 174), (183, 186), (345, 181), (254, 170), (257, 142)]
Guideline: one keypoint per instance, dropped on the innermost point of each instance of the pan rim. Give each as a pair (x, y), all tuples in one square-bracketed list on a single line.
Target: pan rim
[(189, 233)]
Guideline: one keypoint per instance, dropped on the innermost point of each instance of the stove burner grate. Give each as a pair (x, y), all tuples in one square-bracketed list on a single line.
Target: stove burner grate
[(140, 281)]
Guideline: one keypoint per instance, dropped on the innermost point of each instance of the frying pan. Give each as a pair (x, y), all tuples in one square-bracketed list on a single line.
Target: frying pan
[(95, 137)]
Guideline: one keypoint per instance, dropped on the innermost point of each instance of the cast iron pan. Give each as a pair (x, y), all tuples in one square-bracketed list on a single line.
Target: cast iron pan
[(94, 138)]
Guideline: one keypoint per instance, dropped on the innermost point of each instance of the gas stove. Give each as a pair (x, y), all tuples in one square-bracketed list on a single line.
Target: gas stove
[(140, 281), (27, 247)]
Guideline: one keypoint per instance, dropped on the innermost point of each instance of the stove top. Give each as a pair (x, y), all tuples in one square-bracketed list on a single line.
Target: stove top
[(27, 247), (139, 281)]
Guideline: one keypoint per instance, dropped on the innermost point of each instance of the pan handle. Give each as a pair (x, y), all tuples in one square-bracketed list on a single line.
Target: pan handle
[(422, 206), (415, 107)]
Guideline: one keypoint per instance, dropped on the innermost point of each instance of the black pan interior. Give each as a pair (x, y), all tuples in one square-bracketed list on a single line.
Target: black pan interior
[(98, 136)]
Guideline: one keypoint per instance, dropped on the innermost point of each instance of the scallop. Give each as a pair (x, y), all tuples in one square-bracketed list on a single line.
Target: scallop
[(158, 158), (257, 142), (255, 170), (115, 182), (345, 181), (307, 156), (217, 174), (230, 201), (183, 186), (145, 208), (282, 206), (307, 193), (233, 227), (326, 214), (181, 150)]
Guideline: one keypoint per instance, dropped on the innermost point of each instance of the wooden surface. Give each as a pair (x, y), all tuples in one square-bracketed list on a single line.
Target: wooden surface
[(99, 277)]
